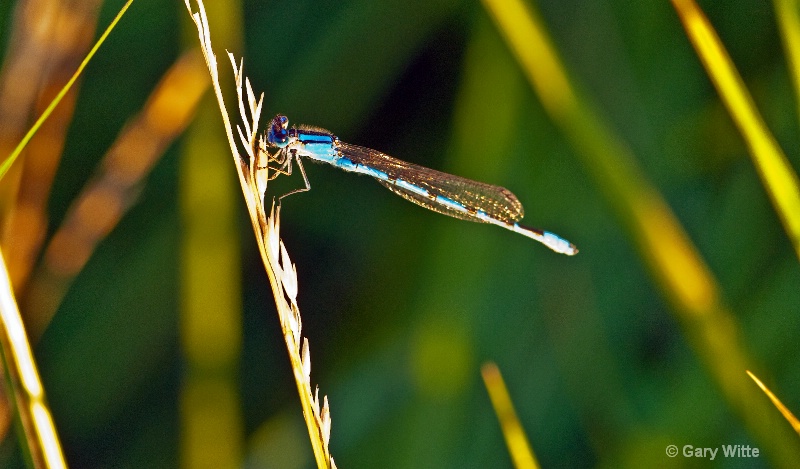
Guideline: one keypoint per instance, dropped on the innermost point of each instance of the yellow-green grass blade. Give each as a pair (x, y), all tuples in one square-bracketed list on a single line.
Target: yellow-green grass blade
[(788, 13), (776, 173), (518, 446)]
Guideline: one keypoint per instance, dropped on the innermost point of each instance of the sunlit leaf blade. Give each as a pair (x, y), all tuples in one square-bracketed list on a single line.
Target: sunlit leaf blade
[(39, 437), (776, 173), (787, 414)]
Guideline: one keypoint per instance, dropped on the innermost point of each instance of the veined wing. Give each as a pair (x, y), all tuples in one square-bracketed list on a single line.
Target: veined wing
[(497, 202)]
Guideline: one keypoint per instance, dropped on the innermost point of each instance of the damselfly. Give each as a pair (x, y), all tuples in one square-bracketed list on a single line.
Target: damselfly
[(441, 192)]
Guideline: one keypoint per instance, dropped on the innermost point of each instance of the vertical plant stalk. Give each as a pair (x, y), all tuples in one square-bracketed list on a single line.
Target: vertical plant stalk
[(41, 441), (683, 277), (518, 446), (253, 176), (776, 173), (212, 431)]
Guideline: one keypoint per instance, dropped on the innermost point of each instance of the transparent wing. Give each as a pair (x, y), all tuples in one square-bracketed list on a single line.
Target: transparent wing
[(497, 202)]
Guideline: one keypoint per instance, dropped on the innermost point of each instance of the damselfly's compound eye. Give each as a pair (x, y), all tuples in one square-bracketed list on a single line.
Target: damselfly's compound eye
[(277, 135)]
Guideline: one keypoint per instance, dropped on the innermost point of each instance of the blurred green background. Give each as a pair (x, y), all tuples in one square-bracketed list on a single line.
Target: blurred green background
[(402, 305)]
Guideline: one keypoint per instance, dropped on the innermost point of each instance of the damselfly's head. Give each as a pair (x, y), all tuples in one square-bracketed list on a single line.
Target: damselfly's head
[(277, 135)]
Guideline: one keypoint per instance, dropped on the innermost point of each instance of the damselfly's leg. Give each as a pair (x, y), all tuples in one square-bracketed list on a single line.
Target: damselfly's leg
[(305, 178), (283, 160)]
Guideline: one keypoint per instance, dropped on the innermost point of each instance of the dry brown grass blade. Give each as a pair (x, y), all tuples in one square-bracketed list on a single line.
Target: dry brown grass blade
[(115, 185), (71, 35), (23, 68), (46, 37)]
